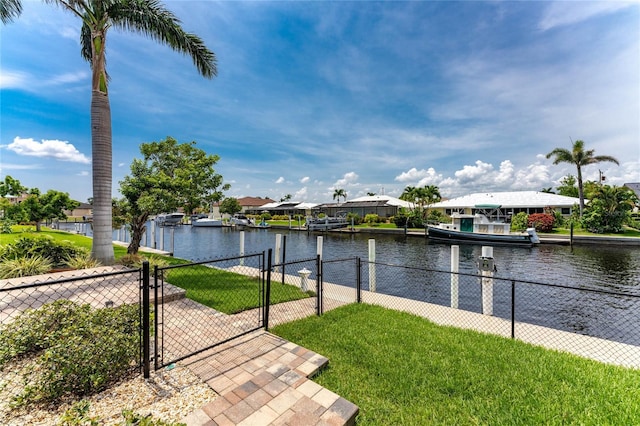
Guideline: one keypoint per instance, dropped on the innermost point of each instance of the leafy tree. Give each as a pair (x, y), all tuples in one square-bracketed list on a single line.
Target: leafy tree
[(147, 17), (11, 186), (230, 206), (286, 198), (51, 205), (548, 190), (609, 209), (421, 198), (339, 193), (170, 175), (568, 186), (520, 222), (580, 158)]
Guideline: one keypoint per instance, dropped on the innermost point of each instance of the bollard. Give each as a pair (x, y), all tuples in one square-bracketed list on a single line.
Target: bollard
[(278, 247), (241, 247), (455, 267), (372, 266), (304, 279), (487, 266), (153, 234), (319, 250), (161, 242)]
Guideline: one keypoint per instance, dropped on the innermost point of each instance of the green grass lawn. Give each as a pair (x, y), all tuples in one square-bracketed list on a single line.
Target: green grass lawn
[(401, 369), (228, 292)]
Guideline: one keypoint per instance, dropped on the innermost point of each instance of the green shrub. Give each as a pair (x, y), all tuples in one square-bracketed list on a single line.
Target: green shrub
[(520, 222), (357, 220), (265, 216), (82, 261), (78, 350), (56, 251), (78, 415), (24, 267), (372, 219), (5, 226)]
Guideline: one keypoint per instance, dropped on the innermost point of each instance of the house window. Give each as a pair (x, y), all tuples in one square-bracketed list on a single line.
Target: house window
[(566, 210)]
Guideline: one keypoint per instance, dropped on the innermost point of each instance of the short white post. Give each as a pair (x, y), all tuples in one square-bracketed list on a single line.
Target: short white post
[(277, 253), (487, 280), (319, 244), (161, 244), (173, 238), (153, 233), (241, 247), (455, 267), (304, 279), (372, 266)]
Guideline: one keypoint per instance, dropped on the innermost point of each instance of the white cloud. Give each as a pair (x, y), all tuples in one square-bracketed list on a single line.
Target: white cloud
[(349, 179), (474, 173), (305, 179), (12, 80), (83, 173), (563, 13), (280, 180), (59, 150), (413, 175), (300, 194)]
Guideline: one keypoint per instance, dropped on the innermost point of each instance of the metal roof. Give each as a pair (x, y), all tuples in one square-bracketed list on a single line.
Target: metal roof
[(386, 199), (509, 199)]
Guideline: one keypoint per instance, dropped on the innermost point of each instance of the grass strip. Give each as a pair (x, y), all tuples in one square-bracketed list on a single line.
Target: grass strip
[(226, 291), (402, 369)]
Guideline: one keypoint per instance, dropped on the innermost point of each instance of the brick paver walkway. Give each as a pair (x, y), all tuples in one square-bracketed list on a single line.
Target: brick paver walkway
[(262, 379)]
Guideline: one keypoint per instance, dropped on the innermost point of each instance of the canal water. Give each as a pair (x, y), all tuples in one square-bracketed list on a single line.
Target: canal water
[(607, 267)]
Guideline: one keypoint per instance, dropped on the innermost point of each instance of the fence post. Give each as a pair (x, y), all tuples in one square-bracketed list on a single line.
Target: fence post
[(358, 280), (267, 297), (278, 247), (156, 319), (319, 285), (146, 329), (513, 309)]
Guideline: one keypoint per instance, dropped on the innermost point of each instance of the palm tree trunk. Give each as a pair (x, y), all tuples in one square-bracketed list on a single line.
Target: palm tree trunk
[(102, 248), (580, 191)]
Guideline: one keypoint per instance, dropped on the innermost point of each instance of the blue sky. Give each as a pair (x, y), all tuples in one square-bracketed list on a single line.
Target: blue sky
[(314, 96)]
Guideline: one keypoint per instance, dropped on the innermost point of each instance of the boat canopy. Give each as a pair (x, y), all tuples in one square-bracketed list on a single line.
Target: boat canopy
[(488, 206)]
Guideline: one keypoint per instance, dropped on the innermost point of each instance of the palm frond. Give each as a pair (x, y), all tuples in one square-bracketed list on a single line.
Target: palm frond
[(9, 10), (150, 18)]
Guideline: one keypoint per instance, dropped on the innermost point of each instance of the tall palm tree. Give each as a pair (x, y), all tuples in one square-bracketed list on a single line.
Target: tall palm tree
[(147, 17), (340, 193), (580, 158)]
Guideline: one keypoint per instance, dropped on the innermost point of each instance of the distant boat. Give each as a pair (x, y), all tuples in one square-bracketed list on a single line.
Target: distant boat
[(208, 222), (169, 219), (478, 229), (239, 220), (262, 225), (327, 222)]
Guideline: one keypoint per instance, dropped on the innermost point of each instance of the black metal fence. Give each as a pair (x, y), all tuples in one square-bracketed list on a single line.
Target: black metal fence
[(231, 297)]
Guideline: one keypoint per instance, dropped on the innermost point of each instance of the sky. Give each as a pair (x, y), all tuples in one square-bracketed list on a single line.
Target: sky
[(310, 97)]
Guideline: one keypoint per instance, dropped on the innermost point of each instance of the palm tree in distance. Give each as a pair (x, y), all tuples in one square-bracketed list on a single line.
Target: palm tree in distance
[(580, 158), (340, 193), (147, 17)]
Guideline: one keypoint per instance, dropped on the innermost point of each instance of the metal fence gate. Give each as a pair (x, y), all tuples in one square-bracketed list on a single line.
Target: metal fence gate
[(230, 294)]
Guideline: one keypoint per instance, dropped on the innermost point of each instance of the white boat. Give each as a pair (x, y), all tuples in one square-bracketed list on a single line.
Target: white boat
[(208, 222), (239, 220), (169, 219), (327, 222), (478, 229)]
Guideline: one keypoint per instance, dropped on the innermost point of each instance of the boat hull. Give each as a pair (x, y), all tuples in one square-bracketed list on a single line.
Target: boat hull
[(208, 223), (440, 234)]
